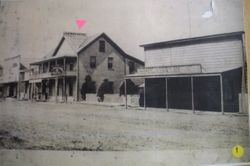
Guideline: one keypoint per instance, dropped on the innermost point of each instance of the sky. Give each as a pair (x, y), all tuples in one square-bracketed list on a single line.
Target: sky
[(32, 28)]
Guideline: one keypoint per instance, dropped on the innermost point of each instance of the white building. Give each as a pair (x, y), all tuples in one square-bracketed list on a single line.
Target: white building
[(202, 73)]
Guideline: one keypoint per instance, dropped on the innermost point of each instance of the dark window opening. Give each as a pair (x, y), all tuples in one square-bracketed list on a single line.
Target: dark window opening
[(52, 64), (92, 62), (45, 67), (71, 67), (106, 87), (110, 63), (131, 87), (131, 67), (89, 86), (40, 68), (26, 87), (51, 82), (21, 76), (102, 46)]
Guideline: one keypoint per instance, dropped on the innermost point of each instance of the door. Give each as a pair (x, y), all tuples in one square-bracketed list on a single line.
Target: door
[(207, 95), (155, 92), (179, 93)]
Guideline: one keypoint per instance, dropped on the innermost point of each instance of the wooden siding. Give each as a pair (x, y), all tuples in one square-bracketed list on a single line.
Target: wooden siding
[(101, 72), (216, 56)]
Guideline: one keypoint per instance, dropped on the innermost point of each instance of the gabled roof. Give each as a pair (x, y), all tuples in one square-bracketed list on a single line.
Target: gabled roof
[(74, 40), (78, 42), (94, 38), (192, 40)]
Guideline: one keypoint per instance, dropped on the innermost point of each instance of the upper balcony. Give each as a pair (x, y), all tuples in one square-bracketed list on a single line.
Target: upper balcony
[(52, 74), (56, 67)]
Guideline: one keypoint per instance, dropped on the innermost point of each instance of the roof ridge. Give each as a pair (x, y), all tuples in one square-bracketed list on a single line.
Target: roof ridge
[(195, 38)]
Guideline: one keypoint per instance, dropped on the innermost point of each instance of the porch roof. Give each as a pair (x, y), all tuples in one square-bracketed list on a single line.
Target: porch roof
[(53, 58), (136, 75)]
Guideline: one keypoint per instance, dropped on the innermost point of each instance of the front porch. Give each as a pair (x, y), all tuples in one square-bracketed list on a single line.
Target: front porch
[(57, 89)]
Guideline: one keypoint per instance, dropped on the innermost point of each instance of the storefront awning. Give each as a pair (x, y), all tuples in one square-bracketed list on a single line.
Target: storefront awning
[(171, 71), (168, 70)]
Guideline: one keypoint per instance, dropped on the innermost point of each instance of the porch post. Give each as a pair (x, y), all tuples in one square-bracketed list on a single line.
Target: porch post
[(18, 88), (221, 95), (144, 93), (42, 67), (75, 89), (64, 80), (48, 70), (64, 89), (31, 91), (125, 93), (166, 79), (56, 87), (192, 93), (77, 79)]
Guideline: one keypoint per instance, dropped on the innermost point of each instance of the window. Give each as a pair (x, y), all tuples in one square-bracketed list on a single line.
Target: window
[(45, 67), (131, 67), (110, 63), (102, 46), (52, 64), (106, 87), (92, 62), (71, 66)]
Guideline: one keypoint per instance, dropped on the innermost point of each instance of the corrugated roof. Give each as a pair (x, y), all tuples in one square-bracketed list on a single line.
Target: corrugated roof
[(75, 40)]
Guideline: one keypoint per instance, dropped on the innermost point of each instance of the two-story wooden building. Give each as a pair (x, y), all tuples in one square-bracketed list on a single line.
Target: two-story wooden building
[(201, 73), (61, 75), (12, 78)]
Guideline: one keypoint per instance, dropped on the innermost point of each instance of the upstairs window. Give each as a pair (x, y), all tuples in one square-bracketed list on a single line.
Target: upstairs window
[(71, 66), (92, 62), (101, 46), (45, 67), (131, 66), (110, 63)]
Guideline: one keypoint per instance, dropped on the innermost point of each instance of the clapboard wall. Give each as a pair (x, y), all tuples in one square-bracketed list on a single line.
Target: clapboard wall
[(214, 55)]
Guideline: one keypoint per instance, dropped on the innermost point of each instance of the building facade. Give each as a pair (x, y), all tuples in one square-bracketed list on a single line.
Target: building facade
[(102, 59), (12, 80), (203, 73), (80, 63)]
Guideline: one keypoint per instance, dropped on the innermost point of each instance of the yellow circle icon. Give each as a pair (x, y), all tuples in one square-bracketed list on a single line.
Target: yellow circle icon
[(238, 151)]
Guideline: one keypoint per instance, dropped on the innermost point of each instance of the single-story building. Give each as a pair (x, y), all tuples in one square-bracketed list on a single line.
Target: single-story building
[(201, 73)]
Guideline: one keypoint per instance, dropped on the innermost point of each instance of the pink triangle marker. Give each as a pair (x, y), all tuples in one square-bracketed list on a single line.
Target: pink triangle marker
[(80, 23)]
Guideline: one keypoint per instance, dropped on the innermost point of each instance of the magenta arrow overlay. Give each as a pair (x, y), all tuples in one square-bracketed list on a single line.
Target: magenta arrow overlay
[(80, 23)]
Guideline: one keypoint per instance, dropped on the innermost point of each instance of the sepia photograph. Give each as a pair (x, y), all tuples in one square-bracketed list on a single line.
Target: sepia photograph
[(115, 82)]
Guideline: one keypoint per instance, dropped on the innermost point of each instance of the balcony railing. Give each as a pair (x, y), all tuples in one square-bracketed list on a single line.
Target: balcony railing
[(52, 74)]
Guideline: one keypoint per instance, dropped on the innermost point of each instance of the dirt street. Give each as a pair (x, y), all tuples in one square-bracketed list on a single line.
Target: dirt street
[(27, 125)]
